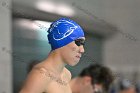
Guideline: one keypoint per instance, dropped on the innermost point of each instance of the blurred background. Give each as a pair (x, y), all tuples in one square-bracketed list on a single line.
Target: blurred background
[(111, 28)]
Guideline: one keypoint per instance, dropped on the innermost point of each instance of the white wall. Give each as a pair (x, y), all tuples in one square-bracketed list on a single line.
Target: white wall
[(122, 52), (5, 48), (122, 55)]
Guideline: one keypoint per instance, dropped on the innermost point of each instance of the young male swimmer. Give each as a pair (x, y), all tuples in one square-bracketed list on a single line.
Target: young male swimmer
[(66, 38)]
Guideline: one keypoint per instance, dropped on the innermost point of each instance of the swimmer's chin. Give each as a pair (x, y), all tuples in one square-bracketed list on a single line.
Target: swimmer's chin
[(74, 63)]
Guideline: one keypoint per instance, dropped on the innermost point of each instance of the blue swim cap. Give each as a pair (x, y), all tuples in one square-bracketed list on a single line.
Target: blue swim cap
[(62, 32)]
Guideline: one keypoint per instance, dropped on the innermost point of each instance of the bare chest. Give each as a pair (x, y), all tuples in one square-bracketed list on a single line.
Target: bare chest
[(56, 87), (56, 83)]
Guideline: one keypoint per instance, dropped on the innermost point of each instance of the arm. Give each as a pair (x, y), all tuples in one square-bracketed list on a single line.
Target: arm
[(36, 82)]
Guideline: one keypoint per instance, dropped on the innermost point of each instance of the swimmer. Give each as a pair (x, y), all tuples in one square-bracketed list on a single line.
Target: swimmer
[(66, 38)]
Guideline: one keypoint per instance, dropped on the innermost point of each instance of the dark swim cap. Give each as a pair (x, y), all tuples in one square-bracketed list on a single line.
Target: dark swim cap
[(62, 32)]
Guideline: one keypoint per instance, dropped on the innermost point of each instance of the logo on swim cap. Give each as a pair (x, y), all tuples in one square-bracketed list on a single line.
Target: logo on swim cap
[(60, 34), (63, 31)]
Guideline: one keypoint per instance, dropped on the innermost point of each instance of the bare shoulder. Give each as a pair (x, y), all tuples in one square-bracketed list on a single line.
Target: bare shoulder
[(67, 73), (37, 81)]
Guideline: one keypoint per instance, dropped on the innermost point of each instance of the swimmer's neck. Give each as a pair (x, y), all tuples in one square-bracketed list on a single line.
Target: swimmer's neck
[(55, 62)]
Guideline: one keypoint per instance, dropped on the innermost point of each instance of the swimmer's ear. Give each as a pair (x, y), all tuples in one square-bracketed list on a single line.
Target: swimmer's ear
[(87, 80)]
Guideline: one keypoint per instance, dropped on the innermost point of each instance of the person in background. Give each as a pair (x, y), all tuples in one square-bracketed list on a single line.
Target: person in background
[(126, 87), (93, 79)]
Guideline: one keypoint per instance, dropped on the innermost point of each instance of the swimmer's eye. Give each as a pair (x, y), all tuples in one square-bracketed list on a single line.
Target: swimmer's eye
[(80, 42)]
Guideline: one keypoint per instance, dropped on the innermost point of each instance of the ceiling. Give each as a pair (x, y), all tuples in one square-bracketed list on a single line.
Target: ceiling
[(102, 17)]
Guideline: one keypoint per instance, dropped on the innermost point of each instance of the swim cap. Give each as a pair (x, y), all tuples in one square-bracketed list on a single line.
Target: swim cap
[(62, 32)]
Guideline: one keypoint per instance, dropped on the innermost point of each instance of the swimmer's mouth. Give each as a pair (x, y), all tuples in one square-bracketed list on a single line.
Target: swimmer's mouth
[(78, 56)]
